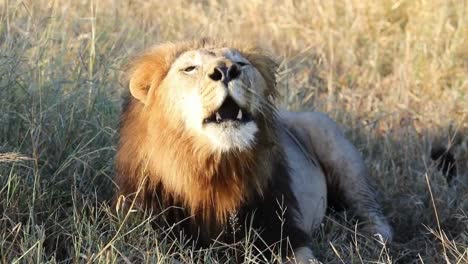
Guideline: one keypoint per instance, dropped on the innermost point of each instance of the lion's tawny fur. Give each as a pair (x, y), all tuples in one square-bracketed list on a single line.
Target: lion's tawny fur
[(154, 148)]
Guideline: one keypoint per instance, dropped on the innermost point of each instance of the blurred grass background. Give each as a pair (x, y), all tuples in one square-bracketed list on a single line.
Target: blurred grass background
[(394, 74)]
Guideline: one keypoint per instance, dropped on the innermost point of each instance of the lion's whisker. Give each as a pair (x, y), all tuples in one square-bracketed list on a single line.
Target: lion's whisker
[(264, 103)]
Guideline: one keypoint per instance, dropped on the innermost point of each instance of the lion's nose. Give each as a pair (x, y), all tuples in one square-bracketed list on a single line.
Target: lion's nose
[(225, 73)]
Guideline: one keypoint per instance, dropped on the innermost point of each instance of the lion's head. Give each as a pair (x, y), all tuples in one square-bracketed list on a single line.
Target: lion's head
[(214, 93), (200, 124)]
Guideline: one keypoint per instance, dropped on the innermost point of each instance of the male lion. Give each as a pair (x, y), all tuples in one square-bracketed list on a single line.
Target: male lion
[(201, 140)]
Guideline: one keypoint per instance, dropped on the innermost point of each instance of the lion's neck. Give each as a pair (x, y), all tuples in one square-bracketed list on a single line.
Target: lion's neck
[(210, 185), (215, 186)]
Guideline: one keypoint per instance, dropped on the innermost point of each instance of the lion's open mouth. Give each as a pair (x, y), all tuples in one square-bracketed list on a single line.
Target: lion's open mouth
[(229, 112)]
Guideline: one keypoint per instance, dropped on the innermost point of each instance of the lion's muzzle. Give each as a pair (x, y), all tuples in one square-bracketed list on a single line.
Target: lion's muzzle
[(229, 111), (224, 72)]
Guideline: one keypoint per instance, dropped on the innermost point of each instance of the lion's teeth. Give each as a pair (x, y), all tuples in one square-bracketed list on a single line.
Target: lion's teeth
[(239, 115), (218, 117)]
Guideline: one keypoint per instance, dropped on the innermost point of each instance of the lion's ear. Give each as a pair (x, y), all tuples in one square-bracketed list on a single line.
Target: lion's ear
[(147, 71)]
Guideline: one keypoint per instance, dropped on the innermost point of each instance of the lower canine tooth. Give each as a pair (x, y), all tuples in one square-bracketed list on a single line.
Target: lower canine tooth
[(239, 115), (218, 117)]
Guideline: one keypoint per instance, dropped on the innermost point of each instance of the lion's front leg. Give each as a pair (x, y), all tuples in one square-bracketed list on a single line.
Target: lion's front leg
[(344, 167), (302, 255)]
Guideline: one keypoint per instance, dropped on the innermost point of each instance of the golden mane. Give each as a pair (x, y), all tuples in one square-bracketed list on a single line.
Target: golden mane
[(155, 150)]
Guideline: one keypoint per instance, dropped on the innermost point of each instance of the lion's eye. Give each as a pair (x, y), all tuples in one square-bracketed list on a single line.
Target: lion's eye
[(189, 69), (241, 63)]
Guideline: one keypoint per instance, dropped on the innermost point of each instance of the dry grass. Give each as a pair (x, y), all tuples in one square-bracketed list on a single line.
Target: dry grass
[(394, 74)]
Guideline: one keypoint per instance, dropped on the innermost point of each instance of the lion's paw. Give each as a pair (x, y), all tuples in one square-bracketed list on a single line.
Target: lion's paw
[(381, 229)]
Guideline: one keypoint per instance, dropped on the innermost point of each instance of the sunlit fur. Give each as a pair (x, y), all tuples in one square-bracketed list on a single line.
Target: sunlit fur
[(161, 137)]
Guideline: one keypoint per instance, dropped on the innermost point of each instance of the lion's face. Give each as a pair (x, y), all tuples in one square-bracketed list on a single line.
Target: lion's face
[(216, 93)]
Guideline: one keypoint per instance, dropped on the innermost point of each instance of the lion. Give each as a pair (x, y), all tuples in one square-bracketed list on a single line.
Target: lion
[(202, 141)]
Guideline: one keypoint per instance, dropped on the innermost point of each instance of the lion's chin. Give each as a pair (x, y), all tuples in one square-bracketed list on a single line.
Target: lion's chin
[(231, 135)]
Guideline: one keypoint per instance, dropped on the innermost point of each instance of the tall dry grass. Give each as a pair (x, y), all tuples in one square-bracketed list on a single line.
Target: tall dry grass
[(394, 74)]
